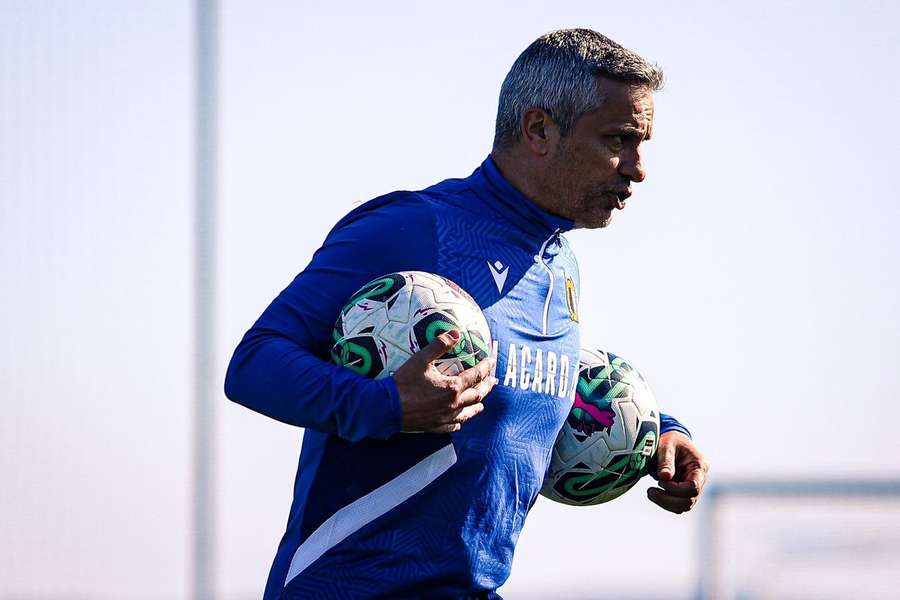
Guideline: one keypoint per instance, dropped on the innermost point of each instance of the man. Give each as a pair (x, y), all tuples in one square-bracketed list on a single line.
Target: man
[(382, 513)]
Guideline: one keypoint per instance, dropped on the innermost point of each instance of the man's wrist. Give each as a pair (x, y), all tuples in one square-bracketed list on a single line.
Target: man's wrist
[(674, 427), (393, 421)]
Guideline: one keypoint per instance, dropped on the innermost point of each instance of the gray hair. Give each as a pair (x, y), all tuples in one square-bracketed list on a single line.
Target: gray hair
[(559, 73)]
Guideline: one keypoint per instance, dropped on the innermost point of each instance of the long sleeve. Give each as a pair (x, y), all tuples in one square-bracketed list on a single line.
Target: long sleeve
[(670, 423), (280, 367)]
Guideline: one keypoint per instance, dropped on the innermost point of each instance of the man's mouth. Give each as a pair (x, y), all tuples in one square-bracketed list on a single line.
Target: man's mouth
[(619, 197)]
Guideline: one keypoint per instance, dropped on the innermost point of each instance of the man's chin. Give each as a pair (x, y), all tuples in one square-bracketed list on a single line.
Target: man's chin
[(598, 221)]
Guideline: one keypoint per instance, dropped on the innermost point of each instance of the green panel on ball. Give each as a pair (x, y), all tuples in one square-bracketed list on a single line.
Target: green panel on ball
[(359, 354)]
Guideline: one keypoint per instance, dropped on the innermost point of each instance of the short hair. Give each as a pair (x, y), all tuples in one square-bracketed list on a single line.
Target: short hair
[(559, 73)]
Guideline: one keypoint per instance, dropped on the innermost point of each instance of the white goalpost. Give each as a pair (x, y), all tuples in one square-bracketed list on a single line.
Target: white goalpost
[(786, 539), (203, 523)]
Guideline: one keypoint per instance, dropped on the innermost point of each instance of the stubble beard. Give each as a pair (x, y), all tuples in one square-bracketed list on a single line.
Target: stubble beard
[(601, 223), (597, 215)]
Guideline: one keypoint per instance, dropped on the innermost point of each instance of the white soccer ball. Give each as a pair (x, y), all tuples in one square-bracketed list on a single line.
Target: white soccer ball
[(393, 317), (609, 437)]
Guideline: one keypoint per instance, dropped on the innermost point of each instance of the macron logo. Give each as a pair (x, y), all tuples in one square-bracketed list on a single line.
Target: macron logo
[(499, 271)]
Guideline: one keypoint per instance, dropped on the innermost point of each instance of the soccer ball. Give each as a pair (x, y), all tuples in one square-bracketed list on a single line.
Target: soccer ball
[(391, 318), (609, 437)]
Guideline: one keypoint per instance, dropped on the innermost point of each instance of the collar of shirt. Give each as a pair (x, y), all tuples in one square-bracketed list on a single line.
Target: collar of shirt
[(490, 185)]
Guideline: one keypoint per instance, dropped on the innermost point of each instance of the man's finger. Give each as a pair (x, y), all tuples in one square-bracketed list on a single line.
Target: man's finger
[(669, 502), (681, 489), (665, 460), (473, 375), (446, 428), (697, 474), (439, 346), (477, 393), (465, 413)]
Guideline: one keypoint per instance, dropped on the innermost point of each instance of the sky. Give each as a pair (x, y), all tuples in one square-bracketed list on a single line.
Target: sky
[(753, 277)]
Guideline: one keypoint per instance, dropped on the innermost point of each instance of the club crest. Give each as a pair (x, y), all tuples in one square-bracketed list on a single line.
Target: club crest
[(571, 299)]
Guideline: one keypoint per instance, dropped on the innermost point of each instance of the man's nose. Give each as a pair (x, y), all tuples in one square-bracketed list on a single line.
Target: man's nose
[(632, 168)]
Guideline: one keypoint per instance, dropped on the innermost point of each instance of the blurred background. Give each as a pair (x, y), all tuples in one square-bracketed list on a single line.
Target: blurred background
[(753, 278)]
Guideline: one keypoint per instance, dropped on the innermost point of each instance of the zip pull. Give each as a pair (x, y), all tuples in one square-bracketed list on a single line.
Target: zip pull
[(545, 321)]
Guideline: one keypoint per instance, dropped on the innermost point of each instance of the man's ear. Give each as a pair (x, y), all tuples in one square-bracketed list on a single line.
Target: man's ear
[(539, 131)]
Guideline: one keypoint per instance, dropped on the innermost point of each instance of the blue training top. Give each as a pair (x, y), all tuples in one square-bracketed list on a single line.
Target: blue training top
[(379, 513)]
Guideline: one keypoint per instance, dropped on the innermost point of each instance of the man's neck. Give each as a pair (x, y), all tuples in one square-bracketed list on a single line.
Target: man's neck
[(516, 172)]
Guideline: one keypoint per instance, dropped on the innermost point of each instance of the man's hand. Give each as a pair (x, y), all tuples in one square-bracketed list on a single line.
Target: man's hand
[(437, 403), (680, 471)]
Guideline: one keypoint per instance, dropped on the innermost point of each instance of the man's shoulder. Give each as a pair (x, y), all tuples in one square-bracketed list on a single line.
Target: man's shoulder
[(400, 204), (418, 207), (449, 188)]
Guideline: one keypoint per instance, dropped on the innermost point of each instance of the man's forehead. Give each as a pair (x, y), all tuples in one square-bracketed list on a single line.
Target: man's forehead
[(642, 111), (624, 94), (642, 103), (626, 104)]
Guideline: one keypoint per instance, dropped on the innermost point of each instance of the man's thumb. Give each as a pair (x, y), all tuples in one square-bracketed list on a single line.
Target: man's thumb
[(440, 345), (666, 462)]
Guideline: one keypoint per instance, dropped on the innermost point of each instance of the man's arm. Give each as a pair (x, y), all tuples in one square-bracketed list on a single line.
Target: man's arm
[(280, 378), (279, 370)]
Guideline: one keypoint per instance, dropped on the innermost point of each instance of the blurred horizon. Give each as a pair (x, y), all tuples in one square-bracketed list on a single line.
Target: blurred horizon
[(751, 278)]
